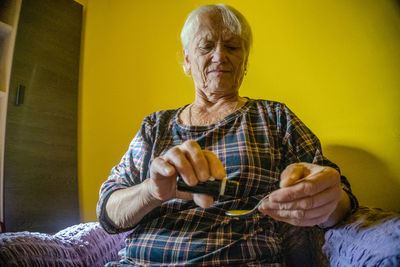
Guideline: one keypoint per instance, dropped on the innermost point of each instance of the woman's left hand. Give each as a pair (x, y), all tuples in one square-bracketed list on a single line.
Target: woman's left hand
[(309, 194)]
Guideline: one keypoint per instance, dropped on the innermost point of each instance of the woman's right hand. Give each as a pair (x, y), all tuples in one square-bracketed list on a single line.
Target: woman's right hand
[(189, 162)]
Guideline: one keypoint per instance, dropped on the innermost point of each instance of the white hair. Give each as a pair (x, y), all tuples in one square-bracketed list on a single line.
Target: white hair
[(232, 19)]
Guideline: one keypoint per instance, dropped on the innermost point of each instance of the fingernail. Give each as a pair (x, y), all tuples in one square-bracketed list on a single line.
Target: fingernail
[(204, 175), (166, 171), (271, 198)]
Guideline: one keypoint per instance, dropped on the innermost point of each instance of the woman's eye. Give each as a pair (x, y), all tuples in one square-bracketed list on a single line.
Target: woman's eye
[(206, 47), (232, 47)]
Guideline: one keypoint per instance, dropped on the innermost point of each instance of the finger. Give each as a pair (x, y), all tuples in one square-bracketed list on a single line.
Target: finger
[(329, 195), (301, 214), (162, 182), (197, 159), (293, 173), (161, 168), (184, 195), (303, 217), (295, 222), (215, 166), (309, 186), (203, 200), (178, 159)]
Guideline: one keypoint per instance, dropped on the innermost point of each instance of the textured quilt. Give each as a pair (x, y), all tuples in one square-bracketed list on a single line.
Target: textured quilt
[(79, 245), (371, 237)]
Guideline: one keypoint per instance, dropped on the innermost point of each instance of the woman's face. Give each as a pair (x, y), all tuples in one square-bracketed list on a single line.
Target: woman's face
[(216, 57)]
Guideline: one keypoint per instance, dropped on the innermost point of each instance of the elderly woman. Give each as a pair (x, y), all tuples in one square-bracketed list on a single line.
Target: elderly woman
[(260, 144)]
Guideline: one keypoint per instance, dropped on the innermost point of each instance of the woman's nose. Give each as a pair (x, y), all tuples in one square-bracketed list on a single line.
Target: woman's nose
[(219, 54)]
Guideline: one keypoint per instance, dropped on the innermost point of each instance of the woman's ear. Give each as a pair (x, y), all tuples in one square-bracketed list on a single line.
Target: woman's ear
[(186, 64)]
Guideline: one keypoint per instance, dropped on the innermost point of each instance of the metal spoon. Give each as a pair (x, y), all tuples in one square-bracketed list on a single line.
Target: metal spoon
[(239, 213)]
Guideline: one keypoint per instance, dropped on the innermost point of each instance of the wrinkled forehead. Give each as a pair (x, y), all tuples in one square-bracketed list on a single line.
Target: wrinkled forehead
[(211, 26)]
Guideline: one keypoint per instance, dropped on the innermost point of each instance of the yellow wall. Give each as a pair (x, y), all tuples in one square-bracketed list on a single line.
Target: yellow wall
[(335, 63)]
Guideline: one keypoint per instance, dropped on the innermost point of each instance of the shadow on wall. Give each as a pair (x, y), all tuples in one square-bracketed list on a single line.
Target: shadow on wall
[(397, 5), (370, 178)]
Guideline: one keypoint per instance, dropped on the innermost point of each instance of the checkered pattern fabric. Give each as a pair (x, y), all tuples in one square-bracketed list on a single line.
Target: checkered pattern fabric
[(255, 143)]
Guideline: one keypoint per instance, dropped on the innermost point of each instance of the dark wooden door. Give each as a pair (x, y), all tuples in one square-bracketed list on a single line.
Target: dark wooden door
[(40, 172)]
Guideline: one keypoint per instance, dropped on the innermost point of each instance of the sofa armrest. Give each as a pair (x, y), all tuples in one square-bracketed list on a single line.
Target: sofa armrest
[(85, 244), (370, 237)]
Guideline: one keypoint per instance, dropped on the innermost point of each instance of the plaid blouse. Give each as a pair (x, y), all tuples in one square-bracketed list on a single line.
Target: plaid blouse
[(255, 144)]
